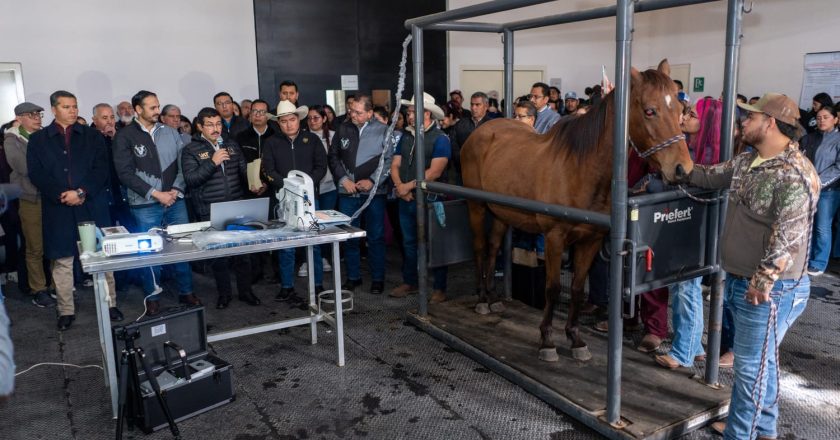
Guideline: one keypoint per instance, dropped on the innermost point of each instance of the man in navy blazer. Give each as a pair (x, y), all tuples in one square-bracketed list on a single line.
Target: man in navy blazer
[(68, 164)]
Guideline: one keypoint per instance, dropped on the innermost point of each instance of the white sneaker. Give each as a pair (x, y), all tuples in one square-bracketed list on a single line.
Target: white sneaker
[(303, 271), (327, 266), (814, 272)]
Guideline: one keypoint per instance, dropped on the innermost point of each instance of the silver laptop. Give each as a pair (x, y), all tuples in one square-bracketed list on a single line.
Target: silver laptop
[(239, 211)]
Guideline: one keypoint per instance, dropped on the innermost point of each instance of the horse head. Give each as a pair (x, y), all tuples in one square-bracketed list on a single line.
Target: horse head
[(655, 113)]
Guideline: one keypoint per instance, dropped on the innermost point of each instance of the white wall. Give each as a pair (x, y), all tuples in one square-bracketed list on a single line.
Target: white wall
[(105, 51), (777, 35)]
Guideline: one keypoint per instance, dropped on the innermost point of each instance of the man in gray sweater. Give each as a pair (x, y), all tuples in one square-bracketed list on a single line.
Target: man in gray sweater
[(354, 162)]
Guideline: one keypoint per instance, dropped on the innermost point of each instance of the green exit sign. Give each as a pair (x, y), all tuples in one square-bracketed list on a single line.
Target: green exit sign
[(699, 83)]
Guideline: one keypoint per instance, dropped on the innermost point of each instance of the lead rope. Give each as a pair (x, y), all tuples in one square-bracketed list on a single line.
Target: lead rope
[(699, 199), (390, 141), (757, 394)]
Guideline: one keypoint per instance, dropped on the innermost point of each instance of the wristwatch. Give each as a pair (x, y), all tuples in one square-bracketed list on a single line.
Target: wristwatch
[(81, 193)]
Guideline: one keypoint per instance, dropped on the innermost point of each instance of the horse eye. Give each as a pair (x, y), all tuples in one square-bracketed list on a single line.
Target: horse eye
[(649, 112)]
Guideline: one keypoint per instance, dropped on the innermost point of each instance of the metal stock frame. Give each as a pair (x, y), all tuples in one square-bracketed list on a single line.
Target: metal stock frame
[(624, 11)]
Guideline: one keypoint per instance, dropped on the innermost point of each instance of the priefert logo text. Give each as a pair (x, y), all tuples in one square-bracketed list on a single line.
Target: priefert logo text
[(672, 216)]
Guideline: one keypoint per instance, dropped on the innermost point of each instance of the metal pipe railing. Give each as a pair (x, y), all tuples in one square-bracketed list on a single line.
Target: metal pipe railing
[(734, 18), (508, 110), (596, 13), (559, 211), (463, 26), (419, 197), (624, 12), (470, 12), (618, 213)]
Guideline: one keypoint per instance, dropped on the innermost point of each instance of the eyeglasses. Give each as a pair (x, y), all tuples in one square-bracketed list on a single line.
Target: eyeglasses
[(35, 115), (535, 97), (224, 103), (522, 116), (258, 112)]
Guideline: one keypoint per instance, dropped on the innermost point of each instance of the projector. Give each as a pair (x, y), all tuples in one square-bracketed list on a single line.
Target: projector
[(128, 244)]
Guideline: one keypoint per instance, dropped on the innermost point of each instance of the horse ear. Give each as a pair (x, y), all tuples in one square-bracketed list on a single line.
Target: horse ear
[(635, 75), (664, 67)]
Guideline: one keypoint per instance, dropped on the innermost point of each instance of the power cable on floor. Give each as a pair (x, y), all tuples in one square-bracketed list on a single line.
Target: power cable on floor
[(60, 364)]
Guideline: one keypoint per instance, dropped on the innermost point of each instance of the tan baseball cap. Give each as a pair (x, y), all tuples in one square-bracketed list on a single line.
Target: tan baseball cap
[(776, 105)]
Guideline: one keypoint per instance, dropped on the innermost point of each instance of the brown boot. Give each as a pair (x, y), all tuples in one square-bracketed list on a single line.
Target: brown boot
[(152, 308), (650, 343), (727, 360), (438, 296), (667, 361), (403, 290), (189, 299), (718, 427)]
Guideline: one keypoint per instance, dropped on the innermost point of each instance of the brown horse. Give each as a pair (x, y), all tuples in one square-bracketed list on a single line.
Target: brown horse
[(570, 165)]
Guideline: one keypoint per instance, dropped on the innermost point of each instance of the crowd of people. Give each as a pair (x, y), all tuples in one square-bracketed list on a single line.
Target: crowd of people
[(145, 166)]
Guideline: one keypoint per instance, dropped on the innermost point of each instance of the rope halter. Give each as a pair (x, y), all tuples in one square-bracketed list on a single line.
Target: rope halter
[(661, 146)]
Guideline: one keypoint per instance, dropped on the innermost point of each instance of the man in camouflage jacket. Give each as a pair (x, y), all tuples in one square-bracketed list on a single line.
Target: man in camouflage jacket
[(764, 251)]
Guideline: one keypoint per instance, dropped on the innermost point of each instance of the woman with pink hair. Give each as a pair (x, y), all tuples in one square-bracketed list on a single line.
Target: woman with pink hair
[(701, 126), (706, 142)]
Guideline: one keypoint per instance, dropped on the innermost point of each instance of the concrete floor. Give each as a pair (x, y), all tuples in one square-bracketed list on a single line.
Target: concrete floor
[(398, 381)]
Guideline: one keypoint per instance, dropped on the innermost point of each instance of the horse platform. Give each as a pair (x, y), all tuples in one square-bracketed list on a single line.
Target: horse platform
[(655, 403)]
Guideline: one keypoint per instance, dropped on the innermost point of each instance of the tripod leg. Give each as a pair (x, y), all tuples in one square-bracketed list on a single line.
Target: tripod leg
[(123, 390), (155, 386)]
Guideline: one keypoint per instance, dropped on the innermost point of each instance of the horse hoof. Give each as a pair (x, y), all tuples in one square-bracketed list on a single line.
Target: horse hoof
[(497, 307), (581, 353), (549, 355), (482, 309)]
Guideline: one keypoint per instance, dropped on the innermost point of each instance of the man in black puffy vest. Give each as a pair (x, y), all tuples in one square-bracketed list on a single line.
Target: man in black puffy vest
[(215, 171)]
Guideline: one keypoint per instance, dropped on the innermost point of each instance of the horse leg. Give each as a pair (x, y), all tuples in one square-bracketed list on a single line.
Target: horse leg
[(493, 304), (554, 242), (478, 212), (583, 255)]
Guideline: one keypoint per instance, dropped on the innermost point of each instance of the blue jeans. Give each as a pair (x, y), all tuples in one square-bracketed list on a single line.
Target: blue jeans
[(327, 200), (687, 316), (157, 215), (410, 266), (751, 321), (374, 216), (821, 242), (287, 261)]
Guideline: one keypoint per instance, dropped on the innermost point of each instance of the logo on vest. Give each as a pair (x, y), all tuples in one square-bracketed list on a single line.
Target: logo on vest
[(345, 143), (670, 216), (204, 155), (141, 150)]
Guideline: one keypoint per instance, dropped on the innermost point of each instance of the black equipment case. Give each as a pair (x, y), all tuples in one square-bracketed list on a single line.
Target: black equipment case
[(171, 342)]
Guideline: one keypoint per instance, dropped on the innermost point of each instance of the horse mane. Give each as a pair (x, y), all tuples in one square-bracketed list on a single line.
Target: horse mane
[(580, 135)]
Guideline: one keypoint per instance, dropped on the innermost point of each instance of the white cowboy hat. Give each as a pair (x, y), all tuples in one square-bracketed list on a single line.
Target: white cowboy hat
[(428, 104), (287, 108)]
